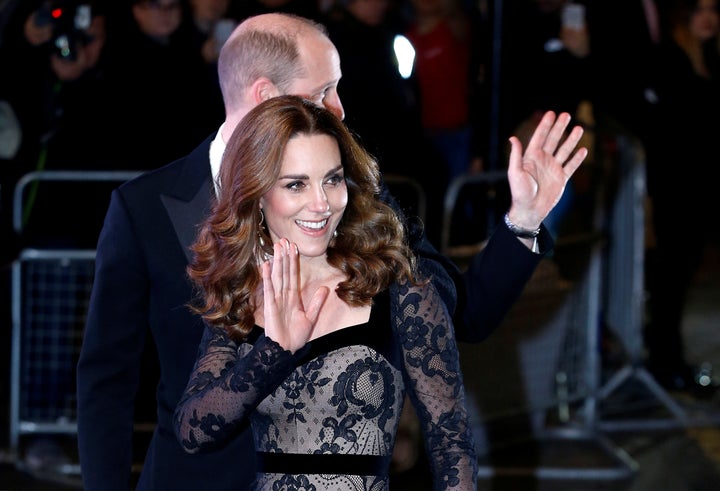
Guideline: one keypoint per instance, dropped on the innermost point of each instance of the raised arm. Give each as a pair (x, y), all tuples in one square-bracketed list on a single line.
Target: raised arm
[(480, 297)]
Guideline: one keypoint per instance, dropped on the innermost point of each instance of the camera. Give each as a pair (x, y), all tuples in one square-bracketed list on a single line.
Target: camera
[(70, 21)]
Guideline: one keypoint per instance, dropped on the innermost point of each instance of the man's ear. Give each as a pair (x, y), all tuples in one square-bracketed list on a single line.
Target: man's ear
[(263, 89)]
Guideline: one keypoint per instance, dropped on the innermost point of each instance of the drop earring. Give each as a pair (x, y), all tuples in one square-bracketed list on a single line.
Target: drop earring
[(260, 226)]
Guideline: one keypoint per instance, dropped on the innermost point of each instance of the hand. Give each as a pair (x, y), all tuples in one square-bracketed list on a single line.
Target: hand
[(538, 177), (68, 70), (287, 322), (34, 34), (86, 55)]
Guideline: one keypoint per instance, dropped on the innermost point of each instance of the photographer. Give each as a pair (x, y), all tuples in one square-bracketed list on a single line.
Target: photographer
[(75, 35), (53, 79)]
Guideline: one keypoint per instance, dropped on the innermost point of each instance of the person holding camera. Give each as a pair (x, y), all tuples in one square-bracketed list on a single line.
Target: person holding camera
[(53, 79), (52, 83)]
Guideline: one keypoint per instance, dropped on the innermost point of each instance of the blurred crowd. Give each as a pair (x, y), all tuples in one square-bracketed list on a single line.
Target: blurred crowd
[(132, 85), (97, 85)]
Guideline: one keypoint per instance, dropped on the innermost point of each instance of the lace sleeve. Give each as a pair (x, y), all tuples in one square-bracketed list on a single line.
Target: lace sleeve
[(227, 383), (435, 385)]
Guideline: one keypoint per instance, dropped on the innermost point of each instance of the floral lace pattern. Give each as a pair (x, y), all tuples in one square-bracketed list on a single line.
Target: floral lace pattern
[(340, 396)]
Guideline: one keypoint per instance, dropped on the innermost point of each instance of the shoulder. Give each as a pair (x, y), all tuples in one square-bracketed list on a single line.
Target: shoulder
[(412, 300), (153, 180), (419, 319), (182, 176)]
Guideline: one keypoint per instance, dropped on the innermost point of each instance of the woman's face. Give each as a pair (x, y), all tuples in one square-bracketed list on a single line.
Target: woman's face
[(704, 20), (309, 198)]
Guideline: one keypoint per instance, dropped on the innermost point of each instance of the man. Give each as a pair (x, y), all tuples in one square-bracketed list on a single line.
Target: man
[(143, 250)]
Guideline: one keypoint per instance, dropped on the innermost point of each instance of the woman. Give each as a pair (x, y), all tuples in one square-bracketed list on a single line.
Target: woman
[(317, 322), (681, 184)]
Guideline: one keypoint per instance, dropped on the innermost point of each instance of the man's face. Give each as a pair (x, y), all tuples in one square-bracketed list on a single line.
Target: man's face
[(158, 18), (322, 74)]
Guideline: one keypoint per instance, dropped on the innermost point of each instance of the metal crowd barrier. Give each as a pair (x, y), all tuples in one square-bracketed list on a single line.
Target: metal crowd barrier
[(50, 292), (624, 302), (533, 381), (473, 201)]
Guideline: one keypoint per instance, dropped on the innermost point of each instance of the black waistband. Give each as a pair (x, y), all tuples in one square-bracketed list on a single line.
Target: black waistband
[(360, 465)]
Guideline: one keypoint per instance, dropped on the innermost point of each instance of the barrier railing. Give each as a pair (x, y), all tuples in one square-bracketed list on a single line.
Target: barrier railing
[(546, 350), (50, 292), (624, 302)]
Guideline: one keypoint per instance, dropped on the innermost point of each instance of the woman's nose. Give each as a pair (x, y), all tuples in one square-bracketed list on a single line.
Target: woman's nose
[(319, 203)]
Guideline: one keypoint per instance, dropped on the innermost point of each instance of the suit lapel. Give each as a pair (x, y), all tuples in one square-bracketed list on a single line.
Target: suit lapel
[(189, 201), (186, 216)]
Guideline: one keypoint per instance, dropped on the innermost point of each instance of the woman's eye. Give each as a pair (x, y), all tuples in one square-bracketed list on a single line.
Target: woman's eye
[(336, 179), (295, 185)]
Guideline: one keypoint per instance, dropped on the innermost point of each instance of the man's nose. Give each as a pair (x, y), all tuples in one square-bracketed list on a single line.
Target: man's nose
[(334, 105)]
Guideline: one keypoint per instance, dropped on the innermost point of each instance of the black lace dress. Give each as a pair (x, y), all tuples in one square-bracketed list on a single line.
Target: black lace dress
[(326, 417)]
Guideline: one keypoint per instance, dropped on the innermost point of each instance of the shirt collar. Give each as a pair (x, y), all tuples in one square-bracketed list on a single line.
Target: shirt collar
[(217, 148)]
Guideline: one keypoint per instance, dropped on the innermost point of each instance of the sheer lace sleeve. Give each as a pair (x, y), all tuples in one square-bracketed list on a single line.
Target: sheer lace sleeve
[(227, 383), (435, 384)]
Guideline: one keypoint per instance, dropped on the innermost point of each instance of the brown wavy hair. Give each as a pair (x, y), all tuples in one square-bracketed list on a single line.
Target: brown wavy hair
[(370, 247)]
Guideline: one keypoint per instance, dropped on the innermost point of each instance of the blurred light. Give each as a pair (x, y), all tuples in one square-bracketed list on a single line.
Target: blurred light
[(56, 13), (62, 43), (405, 55)]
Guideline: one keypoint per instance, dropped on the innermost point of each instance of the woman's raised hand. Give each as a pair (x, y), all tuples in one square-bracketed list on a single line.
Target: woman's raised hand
[(287, 321)]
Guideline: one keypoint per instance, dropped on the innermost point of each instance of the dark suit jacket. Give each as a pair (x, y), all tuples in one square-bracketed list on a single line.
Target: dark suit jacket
[(141, 285)]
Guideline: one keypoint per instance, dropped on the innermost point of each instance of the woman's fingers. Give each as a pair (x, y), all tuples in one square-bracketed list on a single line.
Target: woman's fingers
[(277, 269), (287, 320), (286, 274), (268, 290), (291, 271)]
